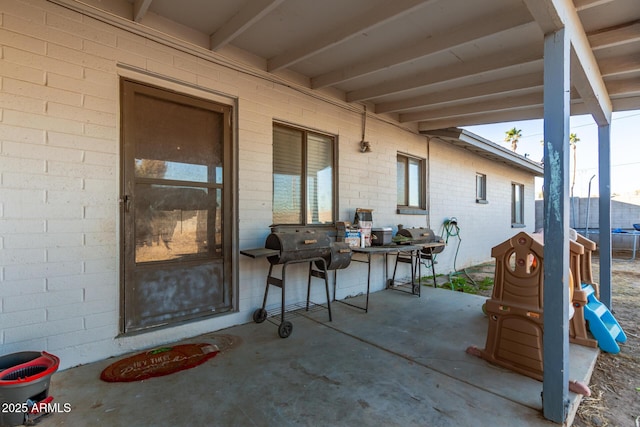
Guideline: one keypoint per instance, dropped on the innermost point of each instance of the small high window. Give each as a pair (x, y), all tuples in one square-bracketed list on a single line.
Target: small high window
[(517, 205), (481, 188)]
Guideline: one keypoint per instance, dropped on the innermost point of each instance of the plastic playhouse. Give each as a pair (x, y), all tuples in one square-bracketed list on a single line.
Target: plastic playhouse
[(515, 309)]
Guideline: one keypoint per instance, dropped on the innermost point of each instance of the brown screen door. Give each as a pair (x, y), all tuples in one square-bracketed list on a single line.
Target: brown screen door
[(175, 210)]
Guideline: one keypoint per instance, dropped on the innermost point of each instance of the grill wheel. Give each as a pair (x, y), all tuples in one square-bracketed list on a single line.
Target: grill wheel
[(260, 315), (285, 329)]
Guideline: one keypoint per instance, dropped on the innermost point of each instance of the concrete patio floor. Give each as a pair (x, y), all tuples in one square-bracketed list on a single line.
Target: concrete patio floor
[(401, 364)]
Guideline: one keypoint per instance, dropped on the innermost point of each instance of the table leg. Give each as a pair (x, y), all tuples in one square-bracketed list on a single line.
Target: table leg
[(366, 307), (335, 282), (386, 273)]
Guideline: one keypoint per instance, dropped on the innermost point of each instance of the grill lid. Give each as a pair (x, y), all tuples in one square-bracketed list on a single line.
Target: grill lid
[(418, 234), (298, 245), (308, 244)]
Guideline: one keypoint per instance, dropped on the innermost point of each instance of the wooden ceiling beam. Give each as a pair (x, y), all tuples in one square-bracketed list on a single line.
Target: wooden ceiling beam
[(500, 87), (627, 103), (511, 19), (588, 4), (375, 17), (620, 65), (253, 12), (495, 105), (552, 15), (481, 119), (624, 87), (525, 60), (140, 8), (617, 36)]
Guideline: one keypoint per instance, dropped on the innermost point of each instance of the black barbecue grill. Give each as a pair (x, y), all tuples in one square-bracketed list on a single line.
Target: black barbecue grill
[(431, 245), (292, 246)]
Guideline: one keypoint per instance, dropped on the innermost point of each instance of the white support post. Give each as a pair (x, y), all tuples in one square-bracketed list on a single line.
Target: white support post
[(556, 226)]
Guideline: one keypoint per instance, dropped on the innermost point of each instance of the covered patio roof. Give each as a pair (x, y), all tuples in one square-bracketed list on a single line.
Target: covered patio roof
[(430, 64)]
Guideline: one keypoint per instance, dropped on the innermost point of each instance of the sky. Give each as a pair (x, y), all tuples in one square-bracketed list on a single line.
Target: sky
[(625, 149)]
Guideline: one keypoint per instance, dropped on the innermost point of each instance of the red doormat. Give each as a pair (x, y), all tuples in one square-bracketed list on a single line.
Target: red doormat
[(158, 362)]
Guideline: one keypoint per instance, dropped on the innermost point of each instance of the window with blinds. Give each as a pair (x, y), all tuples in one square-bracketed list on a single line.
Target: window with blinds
[(303, 176)]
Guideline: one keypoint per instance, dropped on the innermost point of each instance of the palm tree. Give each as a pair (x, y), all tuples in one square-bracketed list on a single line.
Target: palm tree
[(573, 139), (513, 136)]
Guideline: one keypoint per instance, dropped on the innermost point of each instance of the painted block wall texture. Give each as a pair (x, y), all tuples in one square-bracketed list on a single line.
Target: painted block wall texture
[(59, 177), (452, 178)]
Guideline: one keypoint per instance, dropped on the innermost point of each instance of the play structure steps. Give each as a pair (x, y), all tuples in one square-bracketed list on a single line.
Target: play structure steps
[(604, 327)]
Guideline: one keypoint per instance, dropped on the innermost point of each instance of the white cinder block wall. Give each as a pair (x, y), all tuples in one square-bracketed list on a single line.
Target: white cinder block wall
[(59, 178), (452, 174)]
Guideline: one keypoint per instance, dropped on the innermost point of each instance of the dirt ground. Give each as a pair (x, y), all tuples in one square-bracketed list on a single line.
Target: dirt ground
[(615, 382)]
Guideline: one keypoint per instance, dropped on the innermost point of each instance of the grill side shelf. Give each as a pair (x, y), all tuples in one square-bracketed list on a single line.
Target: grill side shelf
[(259, 252)]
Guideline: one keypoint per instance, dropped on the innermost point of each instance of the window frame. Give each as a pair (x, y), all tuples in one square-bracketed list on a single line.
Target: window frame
[(517, 206), (421, 208), (304, 188), (481, 188)]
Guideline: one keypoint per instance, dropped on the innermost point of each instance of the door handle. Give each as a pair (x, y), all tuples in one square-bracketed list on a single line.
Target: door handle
[(124, 202)]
